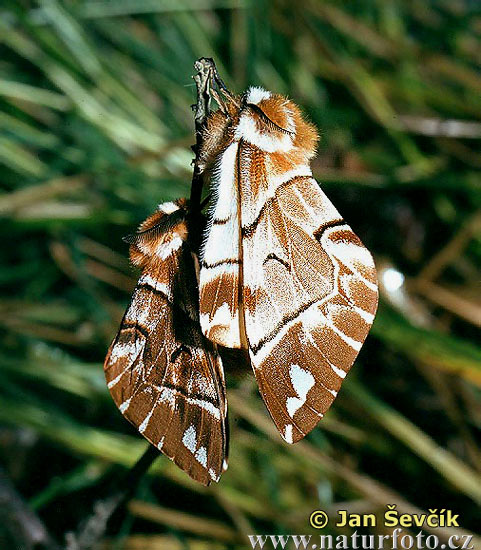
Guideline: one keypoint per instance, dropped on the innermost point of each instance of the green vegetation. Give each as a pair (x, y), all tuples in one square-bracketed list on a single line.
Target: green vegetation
[(95, 131)]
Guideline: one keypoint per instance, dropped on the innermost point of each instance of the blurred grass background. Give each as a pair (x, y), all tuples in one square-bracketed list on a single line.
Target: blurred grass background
[(95, 130)]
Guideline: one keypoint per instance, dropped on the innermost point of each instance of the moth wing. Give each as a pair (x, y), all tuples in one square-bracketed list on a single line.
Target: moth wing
[(220, 262), (165, 378), (310, 295)]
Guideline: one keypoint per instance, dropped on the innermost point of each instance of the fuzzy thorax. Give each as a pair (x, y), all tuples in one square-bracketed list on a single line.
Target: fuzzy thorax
[(270, 122), (275, 124)]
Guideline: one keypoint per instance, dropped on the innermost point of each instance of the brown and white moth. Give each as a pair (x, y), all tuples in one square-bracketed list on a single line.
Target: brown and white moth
[(162, 373), (282, 277)]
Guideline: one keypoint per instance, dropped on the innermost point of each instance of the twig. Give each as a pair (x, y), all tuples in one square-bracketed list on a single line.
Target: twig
[(92, 530), (204, 78), (18, 521)]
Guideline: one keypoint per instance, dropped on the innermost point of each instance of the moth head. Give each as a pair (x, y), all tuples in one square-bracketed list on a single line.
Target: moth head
[(274, 124), (160, 235)]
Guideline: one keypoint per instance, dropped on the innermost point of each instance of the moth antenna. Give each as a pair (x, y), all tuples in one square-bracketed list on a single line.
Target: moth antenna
[(268, 121), (219, 101), (222, 87), (131, 238)]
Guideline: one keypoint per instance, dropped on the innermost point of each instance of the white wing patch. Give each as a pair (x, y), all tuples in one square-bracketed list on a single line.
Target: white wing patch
[(302, 381), (219, 274), (288, 433), (190, 439), (201, 456)]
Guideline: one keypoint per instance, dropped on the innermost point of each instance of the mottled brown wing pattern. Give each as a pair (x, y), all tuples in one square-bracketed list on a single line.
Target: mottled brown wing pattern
[(307, 286), (310, 294), (284, 283), (164, 376)]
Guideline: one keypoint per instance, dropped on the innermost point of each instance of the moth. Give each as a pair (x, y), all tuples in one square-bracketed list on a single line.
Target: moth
[(162, 373), (282, 274), (283, 280)]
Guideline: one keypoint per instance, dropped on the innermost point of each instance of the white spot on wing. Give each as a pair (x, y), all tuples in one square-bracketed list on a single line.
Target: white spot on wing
[(365, 315), (288, 433), (190, 439), (213, 475), (113, 382), (222, 315), (302, 381), (164, 250), (146, 421), (206, 405), (125, 405), (341, 373), (167, 395), (224, 321), (122, 351), (201, 456)]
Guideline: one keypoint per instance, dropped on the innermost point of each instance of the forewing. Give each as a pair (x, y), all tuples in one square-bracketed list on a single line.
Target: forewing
[(166, 379), (220, 262), (310, 295)]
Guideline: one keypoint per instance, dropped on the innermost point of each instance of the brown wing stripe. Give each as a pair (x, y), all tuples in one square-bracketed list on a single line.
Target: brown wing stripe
[(223, 221), (186, 395), (276, 258), (248, 230), (286, 319), (136, 327), (333, 223), (148, 287), (222, 262)]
